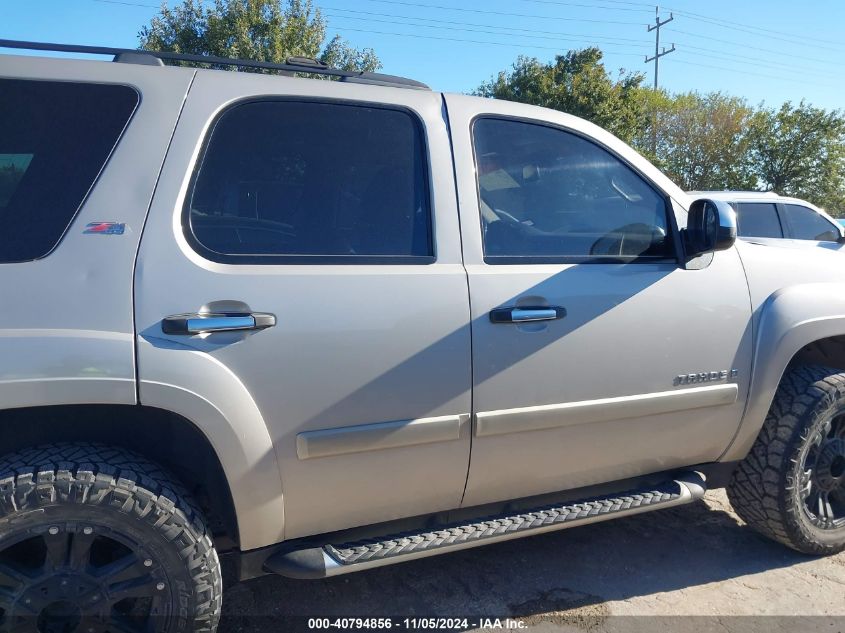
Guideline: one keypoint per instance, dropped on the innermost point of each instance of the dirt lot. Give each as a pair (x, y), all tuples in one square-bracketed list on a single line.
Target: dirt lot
[(697, 560)]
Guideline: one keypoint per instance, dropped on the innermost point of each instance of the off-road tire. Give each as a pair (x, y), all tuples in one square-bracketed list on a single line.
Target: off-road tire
[(120, 492), (764, 489)]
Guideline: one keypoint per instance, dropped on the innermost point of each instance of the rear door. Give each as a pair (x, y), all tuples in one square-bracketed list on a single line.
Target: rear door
[(760, 221), (596, 355), (323, 214)]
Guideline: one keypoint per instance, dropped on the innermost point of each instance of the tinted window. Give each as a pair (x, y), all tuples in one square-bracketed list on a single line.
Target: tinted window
[(806, 224), (55, 138), (288, 181), (546, 193), (755, 219)]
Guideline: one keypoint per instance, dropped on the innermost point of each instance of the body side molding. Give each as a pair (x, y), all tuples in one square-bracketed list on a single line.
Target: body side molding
[(378, 436), (551, 416)]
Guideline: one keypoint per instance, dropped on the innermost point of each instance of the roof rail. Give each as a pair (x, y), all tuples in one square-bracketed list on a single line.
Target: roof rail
[(157, 58)]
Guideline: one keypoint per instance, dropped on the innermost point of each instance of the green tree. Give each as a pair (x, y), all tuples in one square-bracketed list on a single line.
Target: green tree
[(800, 151), (700, 141), (265, 30), (576, 83)]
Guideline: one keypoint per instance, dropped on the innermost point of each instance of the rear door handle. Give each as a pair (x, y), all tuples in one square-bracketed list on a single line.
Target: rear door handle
[(527, 314), (201, 323)]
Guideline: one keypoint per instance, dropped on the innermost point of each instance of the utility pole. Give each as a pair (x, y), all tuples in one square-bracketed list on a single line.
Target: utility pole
[(656, 59), (657, 52)]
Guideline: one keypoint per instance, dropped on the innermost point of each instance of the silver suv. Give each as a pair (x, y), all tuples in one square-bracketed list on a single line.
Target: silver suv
[(324, 326)]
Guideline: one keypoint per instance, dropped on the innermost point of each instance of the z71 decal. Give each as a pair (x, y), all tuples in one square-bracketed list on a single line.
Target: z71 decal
[(104, 228)]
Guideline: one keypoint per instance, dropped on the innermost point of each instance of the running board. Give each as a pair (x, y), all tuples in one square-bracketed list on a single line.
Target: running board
[(332, 559)]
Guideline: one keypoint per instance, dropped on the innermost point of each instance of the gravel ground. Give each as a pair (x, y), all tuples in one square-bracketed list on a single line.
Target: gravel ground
[(694, 560)]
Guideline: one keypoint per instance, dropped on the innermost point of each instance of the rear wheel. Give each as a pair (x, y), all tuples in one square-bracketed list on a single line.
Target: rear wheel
[(96, 539), (791, 486)]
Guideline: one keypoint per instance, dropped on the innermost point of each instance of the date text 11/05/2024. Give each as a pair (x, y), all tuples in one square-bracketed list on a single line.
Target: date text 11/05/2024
[(414, 624)]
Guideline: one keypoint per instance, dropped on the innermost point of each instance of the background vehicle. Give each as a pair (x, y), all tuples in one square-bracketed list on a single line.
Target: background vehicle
[(322, 326), (766, 215)]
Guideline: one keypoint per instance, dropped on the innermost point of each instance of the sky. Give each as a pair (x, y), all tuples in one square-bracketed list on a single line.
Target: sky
[(762, 50)]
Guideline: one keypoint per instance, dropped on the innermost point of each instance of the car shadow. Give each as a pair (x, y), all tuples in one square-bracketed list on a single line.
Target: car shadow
[(560, 578)]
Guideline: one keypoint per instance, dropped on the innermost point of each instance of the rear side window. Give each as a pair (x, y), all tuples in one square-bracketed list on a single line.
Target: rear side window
[(758, 219), (308, 182), (55, 138), (806, 224)]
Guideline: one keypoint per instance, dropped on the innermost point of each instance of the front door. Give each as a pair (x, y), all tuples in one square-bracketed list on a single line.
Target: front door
[(320, 222), (596, 356)]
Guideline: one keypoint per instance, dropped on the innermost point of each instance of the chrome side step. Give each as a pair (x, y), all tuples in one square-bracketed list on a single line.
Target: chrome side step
[(332, 559)]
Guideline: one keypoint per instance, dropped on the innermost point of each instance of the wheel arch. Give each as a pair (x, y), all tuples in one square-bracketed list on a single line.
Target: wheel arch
[(799, 324), (160, 435)]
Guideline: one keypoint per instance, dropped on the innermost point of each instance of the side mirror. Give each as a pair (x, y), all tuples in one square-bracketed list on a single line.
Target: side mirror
[(711, 226)]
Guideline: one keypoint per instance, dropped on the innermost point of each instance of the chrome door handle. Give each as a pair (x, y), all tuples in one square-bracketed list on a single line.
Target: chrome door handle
[(201, 323), (527, 314)]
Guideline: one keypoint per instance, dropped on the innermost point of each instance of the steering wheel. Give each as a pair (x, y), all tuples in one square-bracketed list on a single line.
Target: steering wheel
[(630, 240)]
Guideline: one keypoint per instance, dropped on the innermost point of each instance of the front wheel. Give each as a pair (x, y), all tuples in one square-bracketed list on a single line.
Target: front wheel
[(98, 539), (791, 486)]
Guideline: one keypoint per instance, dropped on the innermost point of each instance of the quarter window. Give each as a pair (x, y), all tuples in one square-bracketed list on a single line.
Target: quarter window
[(306, 182), (806, 224), (55, 138), (758, 219), (548, 194)]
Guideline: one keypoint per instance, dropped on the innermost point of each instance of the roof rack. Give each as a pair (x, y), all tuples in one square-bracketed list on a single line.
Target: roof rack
[(157, 58)]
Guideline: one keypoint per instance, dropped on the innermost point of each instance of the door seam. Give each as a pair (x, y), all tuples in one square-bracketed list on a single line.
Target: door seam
[(471, 421), (136, 362)]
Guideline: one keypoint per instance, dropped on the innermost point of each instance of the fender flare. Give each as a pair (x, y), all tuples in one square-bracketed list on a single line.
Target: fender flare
[(203, 390), (789, 319)]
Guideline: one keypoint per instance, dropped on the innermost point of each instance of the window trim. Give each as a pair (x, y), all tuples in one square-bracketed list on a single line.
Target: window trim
[(304, 259), (505, 260), (84, 200)]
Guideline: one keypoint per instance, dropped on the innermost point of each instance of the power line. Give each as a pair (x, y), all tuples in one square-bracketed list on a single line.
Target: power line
[(796, 38), (793, 39), (743, 72), (512, 45), (493, 26), (487, 32), (435, 6), (704, 52), (751, 61), (604, 41), (720, 22), (454, 39), (130, 4), (576, 4), (504, 13), (638, 4), (795, 71), (756, 48), (745, 28), (615, 41)]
